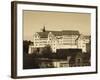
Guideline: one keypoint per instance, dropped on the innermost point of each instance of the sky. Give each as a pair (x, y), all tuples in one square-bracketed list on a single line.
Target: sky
[(34, 21)]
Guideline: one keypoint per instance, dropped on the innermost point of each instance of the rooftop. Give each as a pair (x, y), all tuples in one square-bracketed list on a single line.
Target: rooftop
[(58, 33)]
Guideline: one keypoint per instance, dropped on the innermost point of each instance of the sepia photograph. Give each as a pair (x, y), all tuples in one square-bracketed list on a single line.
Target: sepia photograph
[(53, 39), (56, 39)]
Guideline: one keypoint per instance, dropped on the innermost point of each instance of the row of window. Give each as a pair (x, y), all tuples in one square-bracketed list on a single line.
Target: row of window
[(64, 41), (40, 44)]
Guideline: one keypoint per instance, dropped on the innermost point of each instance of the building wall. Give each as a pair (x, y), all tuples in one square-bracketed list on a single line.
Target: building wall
[(58, 42), (82, 43)]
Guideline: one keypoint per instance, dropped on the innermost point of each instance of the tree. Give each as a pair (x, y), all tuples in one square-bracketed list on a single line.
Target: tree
[(28, 60), (47, 50), (26, 44)]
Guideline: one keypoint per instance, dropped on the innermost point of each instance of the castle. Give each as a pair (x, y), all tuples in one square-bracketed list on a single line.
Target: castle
[(63, 39)]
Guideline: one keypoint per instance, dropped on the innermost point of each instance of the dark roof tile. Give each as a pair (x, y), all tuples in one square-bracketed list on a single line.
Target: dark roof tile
[(43, 34), (58, 33), (70, 32)]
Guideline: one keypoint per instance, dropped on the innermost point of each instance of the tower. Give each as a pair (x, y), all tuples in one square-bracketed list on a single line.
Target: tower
[(43, 29)]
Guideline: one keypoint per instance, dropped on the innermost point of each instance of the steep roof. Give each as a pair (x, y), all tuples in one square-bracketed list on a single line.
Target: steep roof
[(43, 34), (85, 36), (58, 33), (70, 32)]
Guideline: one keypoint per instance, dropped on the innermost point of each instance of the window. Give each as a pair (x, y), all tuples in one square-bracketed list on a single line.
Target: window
[(78, 60), (36, 45), (50, 38)]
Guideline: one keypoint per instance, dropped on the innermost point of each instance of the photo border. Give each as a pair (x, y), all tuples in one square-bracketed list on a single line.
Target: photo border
[(14, 37)]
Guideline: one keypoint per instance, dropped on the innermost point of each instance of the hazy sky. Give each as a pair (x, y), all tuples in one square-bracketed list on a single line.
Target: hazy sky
[(34, 21)]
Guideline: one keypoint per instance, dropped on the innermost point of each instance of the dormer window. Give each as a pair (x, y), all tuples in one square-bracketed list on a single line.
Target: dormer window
[(50, 36), (36, 35)]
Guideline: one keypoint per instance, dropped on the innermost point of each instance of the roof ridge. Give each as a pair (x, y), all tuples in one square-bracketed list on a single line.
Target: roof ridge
[(59, 33)]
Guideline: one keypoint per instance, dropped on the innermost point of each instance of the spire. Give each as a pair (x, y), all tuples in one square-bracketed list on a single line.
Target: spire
[(43, 29)]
